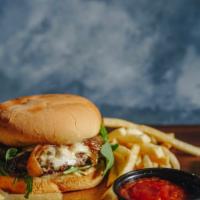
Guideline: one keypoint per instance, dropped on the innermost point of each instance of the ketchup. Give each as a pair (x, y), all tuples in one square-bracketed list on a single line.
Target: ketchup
[(152, 189)]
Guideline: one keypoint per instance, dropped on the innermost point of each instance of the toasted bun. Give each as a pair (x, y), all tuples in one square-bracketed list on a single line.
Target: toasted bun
[(54, 183), (78, 182), (48, 119), (89, 194)]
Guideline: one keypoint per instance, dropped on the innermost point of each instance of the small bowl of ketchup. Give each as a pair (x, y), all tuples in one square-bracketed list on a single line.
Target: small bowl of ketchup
[(157, 184)]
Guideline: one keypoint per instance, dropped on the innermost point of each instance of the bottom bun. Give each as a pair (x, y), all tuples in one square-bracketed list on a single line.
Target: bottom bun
[(67, 183), (54, 183), (89, 194)]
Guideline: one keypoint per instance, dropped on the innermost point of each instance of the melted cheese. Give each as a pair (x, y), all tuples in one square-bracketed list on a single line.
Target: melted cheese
[(58, 156), (79, 147)]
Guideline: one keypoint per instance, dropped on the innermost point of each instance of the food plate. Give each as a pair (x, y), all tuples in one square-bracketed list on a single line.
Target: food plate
[(189, 163)]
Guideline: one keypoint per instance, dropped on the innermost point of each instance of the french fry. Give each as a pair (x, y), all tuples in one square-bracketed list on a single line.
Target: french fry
[(144, 138), (117, 123), (171, 135), (167, 144), (109, 194), (113, 174), (172, 158), (134, 154), (153, 140), (117, 133), (155, 165), (126, 136), (134, 131), (180, 145), (147, 162), (166, 166), (139, 164), (155, 152), (122, 156), (159, 135), (125, 160)]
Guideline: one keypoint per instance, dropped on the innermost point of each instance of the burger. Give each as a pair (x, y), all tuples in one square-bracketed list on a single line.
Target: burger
[(52, 143)]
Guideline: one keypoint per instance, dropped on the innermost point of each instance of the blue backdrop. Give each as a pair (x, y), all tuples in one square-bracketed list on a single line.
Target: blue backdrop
[(136, 59)]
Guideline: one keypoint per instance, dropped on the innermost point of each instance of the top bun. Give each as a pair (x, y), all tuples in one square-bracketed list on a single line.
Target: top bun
[(48, 119)]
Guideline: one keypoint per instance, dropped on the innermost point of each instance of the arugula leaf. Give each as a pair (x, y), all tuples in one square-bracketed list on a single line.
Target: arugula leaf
[(71, 170), (104, 133), (11, 153), (106, 150), (85, 167), (114, 146), (29, 185)]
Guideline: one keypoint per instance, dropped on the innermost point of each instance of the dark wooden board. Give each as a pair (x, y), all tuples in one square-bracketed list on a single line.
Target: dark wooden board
[(190, 134)]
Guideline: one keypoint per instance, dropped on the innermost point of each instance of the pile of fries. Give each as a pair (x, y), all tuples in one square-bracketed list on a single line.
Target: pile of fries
[(141, 147)]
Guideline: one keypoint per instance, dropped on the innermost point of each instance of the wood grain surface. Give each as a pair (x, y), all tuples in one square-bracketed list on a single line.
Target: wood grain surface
[(190, 134)]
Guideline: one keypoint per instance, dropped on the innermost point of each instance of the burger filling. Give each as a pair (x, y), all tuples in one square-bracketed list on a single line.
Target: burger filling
[(60, 158), (54, 158)]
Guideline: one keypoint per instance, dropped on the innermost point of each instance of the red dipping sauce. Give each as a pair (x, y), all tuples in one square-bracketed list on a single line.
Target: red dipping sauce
[(152, 189)]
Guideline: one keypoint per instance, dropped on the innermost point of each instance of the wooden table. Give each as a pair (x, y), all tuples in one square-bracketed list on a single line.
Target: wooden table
[(190, 134)]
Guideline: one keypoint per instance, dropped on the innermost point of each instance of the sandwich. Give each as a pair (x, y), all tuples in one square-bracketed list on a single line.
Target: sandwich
[(52, 143)]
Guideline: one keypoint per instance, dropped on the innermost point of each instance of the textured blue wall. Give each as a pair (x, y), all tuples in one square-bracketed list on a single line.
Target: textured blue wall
[(135, 59)]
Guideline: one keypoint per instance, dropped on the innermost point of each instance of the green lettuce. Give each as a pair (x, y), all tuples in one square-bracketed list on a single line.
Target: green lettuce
[(107, 150)]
